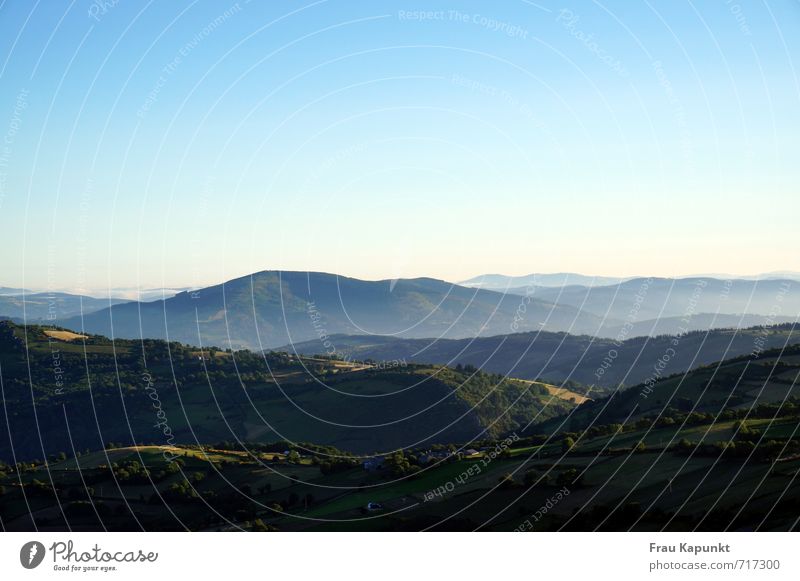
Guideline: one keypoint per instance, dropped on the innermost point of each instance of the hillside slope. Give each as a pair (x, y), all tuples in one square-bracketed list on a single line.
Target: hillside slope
[(740, 383), (89, 393), (558, 357)]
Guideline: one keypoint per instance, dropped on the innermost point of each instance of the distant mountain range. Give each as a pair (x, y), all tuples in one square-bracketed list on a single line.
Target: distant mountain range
[(42, 307), (37, 307), (143, 294), (503, 282), (701, 322), (5, 290), (273, 308), (559, 357), (775, 274), (642, 301)]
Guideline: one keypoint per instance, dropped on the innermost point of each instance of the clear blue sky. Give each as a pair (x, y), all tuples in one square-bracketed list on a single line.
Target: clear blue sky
[(172, 143)]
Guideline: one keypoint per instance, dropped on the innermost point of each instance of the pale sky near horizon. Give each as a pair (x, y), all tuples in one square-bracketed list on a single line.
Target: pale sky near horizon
[(187, 143)]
